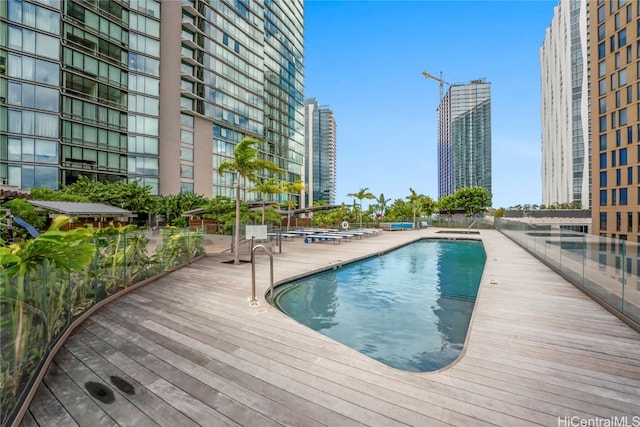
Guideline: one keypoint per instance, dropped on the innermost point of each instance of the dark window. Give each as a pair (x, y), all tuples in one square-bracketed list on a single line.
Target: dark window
[(603, 197), (603, 179), (623, 157)]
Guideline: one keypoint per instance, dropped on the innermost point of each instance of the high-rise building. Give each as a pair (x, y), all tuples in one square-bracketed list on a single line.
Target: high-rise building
[(148, 90), (613, 48), (464, 137), (320, 154), (566, 154)]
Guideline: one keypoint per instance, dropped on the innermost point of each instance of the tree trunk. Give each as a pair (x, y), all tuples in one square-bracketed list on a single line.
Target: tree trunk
[(236, 234)]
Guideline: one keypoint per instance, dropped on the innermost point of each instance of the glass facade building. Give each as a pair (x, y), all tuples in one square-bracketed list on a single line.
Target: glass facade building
[(320, 155), (464, 137), (81, 85), (240, 74), (566, 154)]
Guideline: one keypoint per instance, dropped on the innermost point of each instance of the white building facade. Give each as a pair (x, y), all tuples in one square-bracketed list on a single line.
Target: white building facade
[(566, 172)]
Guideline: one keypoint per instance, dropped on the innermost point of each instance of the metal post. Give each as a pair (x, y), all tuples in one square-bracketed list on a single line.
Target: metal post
[(253, 300)]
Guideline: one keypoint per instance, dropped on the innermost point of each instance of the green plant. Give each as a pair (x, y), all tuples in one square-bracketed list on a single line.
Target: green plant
[(34, 300), (246, 165)]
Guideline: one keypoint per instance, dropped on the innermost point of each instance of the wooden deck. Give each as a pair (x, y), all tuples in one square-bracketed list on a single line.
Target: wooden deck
[(189, 349)]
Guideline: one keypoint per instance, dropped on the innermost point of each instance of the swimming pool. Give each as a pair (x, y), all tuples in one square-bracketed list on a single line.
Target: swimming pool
[(409, 308)]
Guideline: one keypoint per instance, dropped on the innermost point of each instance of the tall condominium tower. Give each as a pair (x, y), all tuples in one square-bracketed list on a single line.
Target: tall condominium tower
[(615, 127), (148, 90), (566, 166), (320, 155), (464, 137)]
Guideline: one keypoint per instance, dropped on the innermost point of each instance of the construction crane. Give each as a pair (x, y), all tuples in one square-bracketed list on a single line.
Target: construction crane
[(442, 82)]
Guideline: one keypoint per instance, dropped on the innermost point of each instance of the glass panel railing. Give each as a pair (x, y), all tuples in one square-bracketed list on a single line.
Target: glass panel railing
[(607, 268), (38, 301)]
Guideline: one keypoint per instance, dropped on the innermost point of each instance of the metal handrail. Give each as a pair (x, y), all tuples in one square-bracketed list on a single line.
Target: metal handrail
[(253, 300)]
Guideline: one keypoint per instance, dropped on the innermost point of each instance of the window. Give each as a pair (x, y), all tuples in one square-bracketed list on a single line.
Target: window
[(618, 222), (622, 37), (629, 221), (186, 136), (603, 143), (186, 120), (603, 179), (623, 196), (623, 117), (618, 176), (601, 32), (614, 197), (614, 120), (603, 197), (602, 50), (617, 99), (629, 134), (612, 43), (629, 176), (618, 138), (186, 171), (602, 87), (186, 154), (603, 220), (623, 157), (603, 159), (622, 77), (186, 187), (603, 105), (603, 123), (629, 94)]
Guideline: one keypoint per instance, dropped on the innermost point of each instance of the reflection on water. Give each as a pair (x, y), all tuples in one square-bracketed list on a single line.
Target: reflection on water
[(409, 308)]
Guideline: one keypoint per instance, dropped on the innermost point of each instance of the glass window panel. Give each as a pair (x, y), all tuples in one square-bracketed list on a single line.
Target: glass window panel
[(48, 46), (186, 171), (46, 177), (15, 37), (14, 149), (48, 99), (28, 41), (186, 154), (47, 72), (28, 150), (46, 151)]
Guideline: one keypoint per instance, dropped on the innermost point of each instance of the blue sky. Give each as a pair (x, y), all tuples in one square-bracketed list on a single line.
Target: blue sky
[(364, 60)]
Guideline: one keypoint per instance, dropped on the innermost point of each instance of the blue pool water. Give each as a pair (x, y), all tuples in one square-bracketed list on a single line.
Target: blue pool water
[(409, 308)]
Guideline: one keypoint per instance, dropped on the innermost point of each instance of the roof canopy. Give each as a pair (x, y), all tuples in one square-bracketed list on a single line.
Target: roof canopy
[(82, 210)]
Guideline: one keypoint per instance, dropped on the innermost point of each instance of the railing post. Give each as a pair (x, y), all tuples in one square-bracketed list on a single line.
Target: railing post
[(253, 300)]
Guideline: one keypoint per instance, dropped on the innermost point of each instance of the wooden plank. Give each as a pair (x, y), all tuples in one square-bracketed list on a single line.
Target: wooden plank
[(44, 409), (107, 397), (66, 393), (202, 382), (160, 411)]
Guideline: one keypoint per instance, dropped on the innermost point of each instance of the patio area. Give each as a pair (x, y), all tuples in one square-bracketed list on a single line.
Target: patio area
[(189, 349)]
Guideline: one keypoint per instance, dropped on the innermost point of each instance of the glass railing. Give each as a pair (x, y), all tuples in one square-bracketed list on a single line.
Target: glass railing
[(38, 301), (606, 268)]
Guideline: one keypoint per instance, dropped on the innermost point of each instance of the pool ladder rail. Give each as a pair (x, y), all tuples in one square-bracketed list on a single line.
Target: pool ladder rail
[(253, 300)]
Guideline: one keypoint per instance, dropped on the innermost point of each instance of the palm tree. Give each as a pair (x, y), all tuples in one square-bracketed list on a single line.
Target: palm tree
[(292, 188), (360, 195), (382, 203), (267, 186), (414, 198), (246, 165)]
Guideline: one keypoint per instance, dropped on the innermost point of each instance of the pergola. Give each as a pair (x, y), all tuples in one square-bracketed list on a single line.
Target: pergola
[(84, 211)]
